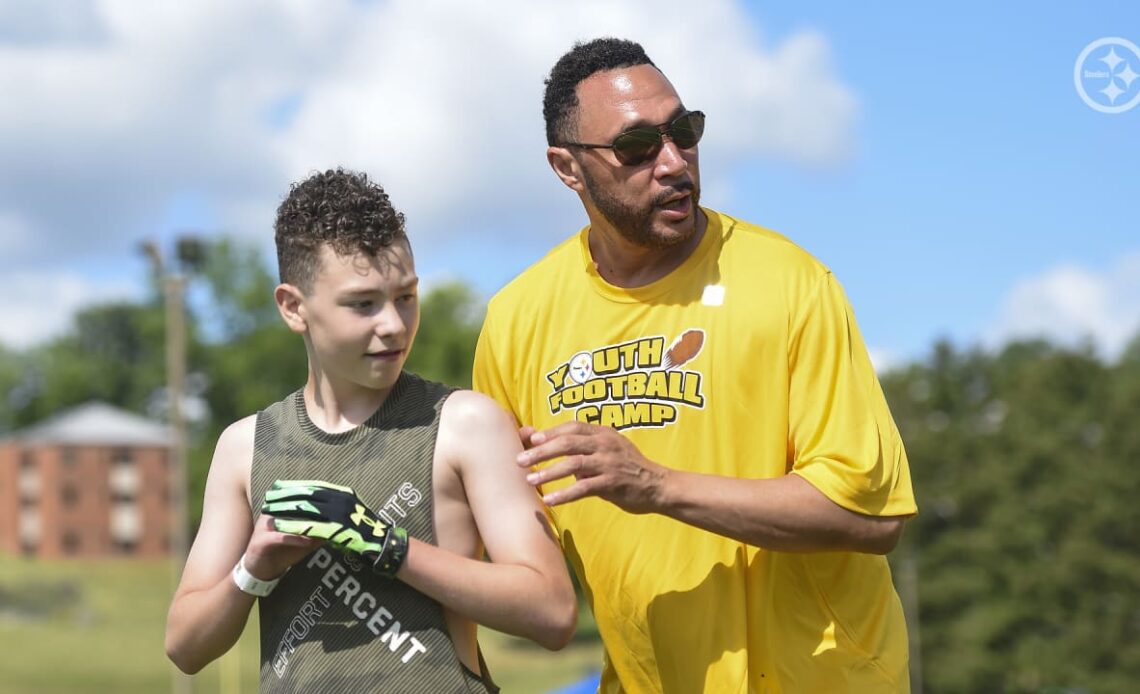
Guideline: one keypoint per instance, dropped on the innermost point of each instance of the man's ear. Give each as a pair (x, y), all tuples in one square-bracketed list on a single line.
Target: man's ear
[(291, 305), (565, 167)]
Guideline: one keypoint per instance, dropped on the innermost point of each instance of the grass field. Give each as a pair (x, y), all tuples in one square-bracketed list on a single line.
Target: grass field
[(97, 626)]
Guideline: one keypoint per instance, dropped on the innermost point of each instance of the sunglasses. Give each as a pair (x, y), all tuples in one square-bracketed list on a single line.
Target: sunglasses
[(639, 145)]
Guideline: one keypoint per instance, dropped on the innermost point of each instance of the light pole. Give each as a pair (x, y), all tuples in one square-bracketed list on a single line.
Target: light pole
[(173, 284)]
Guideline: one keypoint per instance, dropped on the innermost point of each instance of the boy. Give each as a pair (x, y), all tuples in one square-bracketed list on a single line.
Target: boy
[(410, 480)]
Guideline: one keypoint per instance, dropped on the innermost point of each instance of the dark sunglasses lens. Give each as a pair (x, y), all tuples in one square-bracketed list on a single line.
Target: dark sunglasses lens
[(636, 146), (686, 131)]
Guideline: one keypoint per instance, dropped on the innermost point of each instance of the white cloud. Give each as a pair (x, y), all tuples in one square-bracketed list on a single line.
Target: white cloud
[(15, 233), (1070, 304), (884, 360), (447, 112), (109, 121), (40, 306), (66, 21)]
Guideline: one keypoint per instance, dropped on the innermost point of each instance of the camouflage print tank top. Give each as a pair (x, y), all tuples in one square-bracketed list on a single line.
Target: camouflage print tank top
[(332, 625)]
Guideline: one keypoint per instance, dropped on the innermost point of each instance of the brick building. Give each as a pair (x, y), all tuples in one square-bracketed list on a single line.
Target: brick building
[(92, 481)]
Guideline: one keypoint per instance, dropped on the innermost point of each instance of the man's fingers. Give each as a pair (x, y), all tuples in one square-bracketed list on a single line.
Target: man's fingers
[(565, 429), (566, 444), (524, 435), (571, 466), (581, 489)]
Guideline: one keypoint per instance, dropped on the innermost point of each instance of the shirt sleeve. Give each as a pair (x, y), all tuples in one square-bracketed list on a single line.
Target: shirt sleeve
[(841, 434), (488, 375), (491, 377)]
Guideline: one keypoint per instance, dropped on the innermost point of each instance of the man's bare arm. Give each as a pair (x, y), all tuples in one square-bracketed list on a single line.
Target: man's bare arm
[(525, 589), (785, 514)]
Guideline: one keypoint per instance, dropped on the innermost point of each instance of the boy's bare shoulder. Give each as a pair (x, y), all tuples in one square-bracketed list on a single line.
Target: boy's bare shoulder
[(238, 437), (472, 424), (233, 454), (467, 409)]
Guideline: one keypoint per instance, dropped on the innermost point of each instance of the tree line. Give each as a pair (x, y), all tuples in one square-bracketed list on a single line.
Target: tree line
[(1022, 569)]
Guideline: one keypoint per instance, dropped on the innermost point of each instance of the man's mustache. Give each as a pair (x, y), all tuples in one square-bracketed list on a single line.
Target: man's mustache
[(672, 191)]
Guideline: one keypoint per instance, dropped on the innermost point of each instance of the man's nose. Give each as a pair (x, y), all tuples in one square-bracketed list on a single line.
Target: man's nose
[(670, 162)]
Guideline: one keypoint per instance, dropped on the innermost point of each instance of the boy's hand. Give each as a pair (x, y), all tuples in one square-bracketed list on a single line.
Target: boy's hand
[(332, 512)]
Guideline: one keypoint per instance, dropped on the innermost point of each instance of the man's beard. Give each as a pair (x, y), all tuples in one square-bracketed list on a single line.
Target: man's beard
[(636, 224)]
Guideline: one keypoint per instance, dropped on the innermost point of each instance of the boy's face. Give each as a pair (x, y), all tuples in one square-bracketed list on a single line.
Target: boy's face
[(361, 315)]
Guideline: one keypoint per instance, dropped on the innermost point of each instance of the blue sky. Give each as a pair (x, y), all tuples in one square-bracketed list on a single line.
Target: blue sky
[(941, 161), (979, 168)]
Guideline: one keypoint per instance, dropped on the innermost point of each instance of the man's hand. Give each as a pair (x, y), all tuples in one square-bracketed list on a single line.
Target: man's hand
[(602, 461), (312, 508)]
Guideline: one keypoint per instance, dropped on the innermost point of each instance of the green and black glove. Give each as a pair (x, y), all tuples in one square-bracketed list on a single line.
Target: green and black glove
[(332, 512)]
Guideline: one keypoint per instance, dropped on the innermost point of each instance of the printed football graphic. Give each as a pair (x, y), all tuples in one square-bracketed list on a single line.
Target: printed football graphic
[(684, 349)]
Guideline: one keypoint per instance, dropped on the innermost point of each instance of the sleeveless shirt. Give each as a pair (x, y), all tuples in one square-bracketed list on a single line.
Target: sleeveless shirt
[(332, 625)]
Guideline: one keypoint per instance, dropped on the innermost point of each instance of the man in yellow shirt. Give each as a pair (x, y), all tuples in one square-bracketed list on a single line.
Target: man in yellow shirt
[(700, 414)]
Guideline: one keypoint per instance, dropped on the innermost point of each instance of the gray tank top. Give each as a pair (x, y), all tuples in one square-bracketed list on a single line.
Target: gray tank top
[(331, 625)]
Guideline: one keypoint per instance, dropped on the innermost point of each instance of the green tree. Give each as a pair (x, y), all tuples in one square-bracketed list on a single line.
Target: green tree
[(15, 386), (113, 352), (1027, 550), (450, 317)]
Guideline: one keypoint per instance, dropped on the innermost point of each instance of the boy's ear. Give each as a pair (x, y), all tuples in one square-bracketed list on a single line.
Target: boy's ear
[(291, 305)]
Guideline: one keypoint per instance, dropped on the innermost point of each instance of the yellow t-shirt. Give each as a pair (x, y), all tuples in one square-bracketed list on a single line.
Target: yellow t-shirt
[(744, 362)]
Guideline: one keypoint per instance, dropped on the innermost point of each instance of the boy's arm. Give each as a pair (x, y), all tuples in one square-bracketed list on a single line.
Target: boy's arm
[(208, 612), (525, 589)]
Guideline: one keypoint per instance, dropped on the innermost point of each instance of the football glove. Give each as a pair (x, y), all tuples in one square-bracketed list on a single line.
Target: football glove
[(332, 512)]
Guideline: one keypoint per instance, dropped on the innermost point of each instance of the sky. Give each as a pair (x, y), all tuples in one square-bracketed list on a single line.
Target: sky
[(966, 170)]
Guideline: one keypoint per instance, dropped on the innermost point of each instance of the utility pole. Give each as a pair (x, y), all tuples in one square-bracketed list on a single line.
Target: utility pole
[(173, 284)]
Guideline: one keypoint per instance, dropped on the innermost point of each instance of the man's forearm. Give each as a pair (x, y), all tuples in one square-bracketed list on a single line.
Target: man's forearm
[(512, 598), (785, 514)]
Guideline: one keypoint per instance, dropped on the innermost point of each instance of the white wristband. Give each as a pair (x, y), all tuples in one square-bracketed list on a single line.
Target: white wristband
[(248, 583)]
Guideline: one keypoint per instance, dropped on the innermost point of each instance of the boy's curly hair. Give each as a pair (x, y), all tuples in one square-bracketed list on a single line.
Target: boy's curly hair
[(560, 102), (343, 209)]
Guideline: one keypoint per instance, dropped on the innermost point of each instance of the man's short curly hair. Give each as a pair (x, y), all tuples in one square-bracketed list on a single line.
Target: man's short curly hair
[(560, 102), (343, 209)]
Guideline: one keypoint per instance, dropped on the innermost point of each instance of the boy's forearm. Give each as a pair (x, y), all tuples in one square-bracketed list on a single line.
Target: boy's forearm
[(512, 598), (202, 625)]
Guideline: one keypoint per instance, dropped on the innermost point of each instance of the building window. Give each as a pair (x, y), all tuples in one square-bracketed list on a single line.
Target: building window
[(121, 456), (126, 523), (125, 482), (70, 542), (69, 457), (69, 495), (29, 482), (30, 528)]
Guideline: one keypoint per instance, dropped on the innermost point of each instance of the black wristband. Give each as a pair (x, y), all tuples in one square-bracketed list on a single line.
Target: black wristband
[(393, 554)]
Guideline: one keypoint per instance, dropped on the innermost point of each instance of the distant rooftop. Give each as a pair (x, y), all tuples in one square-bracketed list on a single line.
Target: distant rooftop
[(95, 424)]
